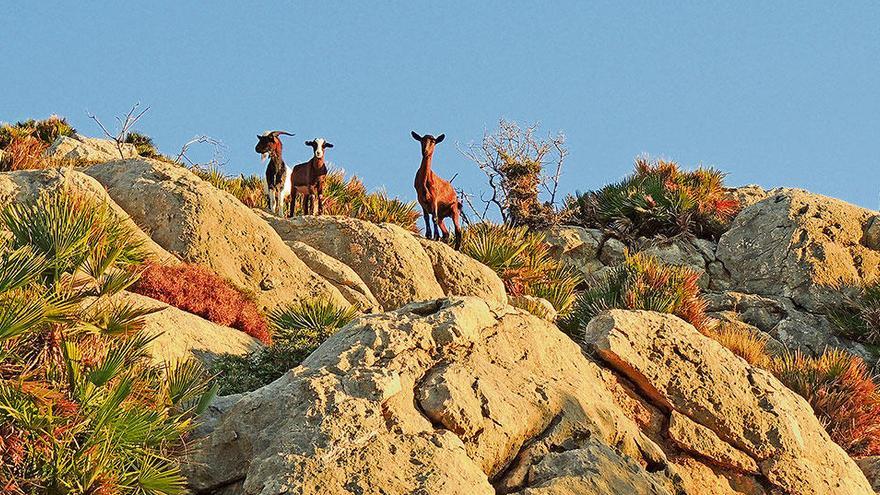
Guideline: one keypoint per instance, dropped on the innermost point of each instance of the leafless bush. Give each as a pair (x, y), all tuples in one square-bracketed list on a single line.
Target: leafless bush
[(522, 171), (124, 124)]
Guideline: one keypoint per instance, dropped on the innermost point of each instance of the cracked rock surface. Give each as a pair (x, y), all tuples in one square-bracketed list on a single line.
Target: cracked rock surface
[(449, 396)]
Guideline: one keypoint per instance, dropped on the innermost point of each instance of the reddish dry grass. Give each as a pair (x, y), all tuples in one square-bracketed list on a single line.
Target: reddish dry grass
[(24, 153), (197, 290), (843, 394)]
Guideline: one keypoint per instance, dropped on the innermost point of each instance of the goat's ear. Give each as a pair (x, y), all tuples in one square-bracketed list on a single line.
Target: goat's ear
[(259, 136), (328, 145), (440, 138), (310, 143), (416, 136)]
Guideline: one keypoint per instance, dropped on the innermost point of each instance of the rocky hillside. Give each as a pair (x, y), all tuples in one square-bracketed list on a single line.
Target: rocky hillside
[(442, 387)]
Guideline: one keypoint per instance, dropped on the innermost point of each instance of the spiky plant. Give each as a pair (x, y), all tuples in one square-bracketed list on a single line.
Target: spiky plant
[(858, 316), (82, 408), (644, 283), (298, 330), (842, 392), (143, 144), (45, 131), (659, 199)]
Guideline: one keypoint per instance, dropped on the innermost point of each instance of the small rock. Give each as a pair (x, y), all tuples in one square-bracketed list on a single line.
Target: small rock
[(700, 440), (613, 252), (871, 238)]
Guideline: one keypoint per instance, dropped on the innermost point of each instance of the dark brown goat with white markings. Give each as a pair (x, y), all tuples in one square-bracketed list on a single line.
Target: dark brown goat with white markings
[(308, 179)]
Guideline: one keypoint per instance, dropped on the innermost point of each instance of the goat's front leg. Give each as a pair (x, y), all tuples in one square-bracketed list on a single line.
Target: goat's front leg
[(292, 203), (320, 197), (270, 198)]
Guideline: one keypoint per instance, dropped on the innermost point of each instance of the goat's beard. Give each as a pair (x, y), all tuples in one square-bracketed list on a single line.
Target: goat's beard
[(263, 156)]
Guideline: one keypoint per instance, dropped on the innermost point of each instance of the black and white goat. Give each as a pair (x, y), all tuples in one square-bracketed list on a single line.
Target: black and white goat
[(278, 183)]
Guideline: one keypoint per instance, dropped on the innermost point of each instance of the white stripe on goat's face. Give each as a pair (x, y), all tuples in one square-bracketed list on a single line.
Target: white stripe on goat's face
[(319, 148)]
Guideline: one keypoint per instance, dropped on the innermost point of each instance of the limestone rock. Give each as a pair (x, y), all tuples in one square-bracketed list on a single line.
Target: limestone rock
[(594, 469), (204, 225), (389, 259), (801, 246), (28, 185), (577, 247), (871, 238), (88, 149), (339, 274), (447, 396), (679, 253), (683, 371), (538, 306), (700, 440), (613, 252), (182, 336), (748, 195), (461, 275)]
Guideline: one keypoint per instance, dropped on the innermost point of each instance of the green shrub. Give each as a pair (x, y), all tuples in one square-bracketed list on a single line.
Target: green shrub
[(522, 259), (82, 407), (658, 199), (843, 394), (858, 317), (642, 282), (46, 131), (143, 144), (297, 331)]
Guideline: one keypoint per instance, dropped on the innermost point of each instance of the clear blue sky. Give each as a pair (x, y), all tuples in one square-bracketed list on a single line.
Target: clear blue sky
[(779, 95)]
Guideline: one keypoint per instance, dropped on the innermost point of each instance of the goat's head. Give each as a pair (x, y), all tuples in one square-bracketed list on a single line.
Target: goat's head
[(270, 143), (428, 142), (318, 146)]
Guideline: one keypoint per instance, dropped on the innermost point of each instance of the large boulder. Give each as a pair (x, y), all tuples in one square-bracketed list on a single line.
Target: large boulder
[(799, 245), (386, 257), (28, 185), (180, 336), (447, 396), (684, 372), (339, 274), (461, 275), (202, 224), (85, 149)]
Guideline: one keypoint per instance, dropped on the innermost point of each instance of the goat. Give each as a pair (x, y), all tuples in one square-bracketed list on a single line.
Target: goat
[(308, 179), (436, 196), (278, 184)]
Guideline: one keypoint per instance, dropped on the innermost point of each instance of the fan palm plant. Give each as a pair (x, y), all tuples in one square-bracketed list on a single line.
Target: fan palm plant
[(522, 259), (82, 408), (298, 330)]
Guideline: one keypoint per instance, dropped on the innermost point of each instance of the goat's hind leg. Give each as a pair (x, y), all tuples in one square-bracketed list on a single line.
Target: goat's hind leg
[(428, 232)]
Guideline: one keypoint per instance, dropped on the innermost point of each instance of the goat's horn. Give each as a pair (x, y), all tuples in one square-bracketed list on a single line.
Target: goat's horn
[(283, 132)]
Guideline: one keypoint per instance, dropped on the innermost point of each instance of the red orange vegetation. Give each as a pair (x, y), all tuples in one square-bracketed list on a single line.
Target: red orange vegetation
[(198, 290), (843, 394)]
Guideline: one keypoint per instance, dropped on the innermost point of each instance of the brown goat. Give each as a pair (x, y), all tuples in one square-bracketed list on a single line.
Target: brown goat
[(308, 179), (436, 196)]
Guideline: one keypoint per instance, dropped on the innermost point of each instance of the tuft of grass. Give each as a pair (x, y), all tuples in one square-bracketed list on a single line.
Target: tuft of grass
[(82, 408), (842, 392), (46, 131), (197, 290), (143, 144), (24, 153), (659, 199), (747, 344), (644, 283), (298, 330), (522, 259), (858, 317)]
